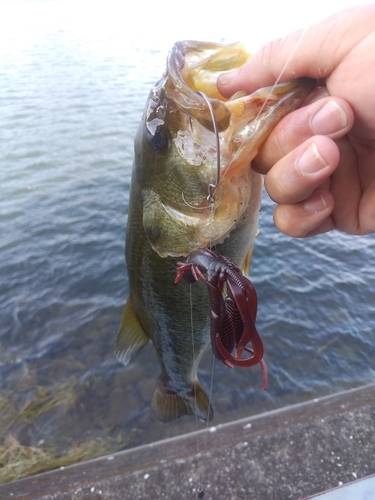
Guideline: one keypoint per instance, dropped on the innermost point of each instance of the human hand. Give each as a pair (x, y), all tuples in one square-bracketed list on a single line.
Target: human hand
[(320, 160)]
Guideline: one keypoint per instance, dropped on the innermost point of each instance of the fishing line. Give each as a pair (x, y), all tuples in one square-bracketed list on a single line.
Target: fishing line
[(206, 432), (200, 491), (211, 187), (282, 70), (200, 467), (211, 200), (193, 349)]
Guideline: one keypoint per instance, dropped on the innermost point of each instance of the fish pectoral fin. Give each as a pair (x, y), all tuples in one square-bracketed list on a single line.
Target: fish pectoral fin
[(246, 264), (167, 405), (131, 337)]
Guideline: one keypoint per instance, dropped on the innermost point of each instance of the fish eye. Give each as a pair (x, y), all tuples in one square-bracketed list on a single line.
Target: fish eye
[(158, 141)]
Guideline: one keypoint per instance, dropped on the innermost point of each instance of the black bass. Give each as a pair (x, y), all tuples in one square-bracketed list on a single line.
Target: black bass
[(172, 211)]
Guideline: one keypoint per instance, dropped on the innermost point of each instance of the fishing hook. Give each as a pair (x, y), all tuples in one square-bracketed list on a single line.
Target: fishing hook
[(213, 187)]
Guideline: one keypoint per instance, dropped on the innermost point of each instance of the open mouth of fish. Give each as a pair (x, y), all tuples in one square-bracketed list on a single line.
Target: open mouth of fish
[(216, 137)]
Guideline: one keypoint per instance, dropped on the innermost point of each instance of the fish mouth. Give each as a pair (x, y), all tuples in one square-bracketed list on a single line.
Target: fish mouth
[(193, 68), (231, 129), (243, 121), (212, 146)]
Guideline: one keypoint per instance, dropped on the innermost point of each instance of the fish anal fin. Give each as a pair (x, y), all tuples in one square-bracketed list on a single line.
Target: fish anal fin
[(131, 337), (167, 405)]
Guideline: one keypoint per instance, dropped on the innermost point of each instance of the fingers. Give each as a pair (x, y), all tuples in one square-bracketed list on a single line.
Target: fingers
[(299, 54), (316, 191), (299, 166), (299, 183), (263, 69), (307, 218), (298, 174), (314, 52), (329, 116)]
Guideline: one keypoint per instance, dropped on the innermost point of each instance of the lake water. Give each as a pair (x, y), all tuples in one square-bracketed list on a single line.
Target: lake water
[(70, 100)]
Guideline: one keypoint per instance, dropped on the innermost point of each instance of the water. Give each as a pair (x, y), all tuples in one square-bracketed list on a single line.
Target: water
[(71, 97)]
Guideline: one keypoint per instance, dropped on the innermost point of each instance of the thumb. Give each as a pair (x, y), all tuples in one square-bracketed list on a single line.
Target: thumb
[(313, 52)]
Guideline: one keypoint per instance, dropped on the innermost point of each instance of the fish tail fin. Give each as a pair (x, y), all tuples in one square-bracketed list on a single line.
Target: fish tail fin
[(131, 337), (167, 405)]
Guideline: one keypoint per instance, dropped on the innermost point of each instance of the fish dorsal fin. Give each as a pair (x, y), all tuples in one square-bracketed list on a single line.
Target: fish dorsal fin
[(131, 337)]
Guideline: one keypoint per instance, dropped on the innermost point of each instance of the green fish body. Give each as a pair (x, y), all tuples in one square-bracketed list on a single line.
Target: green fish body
[(170, 215)]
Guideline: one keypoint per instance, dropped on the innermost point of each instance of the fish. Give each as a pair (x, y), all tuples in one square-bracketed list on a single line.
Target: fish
[(192, 188)]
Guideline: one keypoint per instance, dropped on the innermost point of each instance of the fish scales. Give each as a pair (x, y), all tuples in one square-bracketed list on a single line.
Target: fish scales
[(170, 216)]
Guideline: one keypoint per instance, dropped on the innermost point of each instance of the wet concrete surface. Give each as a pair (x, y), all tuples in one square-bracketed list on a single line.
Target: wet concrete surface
[(290, 453)]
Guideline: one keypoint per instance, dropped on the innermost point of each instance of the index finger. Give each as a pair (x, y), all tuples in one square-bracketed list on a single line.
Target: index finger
[(314, 52)]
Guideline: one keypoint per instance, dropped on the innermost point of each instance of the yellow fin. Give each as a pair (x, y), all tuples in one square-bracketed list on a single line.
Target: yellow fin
[(167, 405), (131, 337), (246, 264)]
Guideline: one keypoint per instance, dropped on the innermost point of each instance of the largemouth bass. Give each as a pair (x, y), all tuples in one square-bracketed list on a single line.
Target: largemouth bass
[(172, 210)]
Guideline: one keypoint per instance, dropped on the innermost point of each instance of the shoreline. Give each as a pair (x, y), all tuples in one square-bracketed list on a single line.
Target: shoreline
[(288, 453)]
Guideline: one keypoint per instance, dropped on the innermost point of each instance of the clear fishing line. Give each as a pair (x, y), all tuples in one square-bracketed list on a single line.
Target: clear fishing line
[(211, 187), (200, 491), (211, 199), (206, 432), (283, 69)]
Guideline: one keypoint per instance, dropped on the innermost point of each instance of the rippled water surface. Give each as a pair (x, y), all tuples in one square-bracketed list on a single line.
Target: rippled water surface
[(70, 104)]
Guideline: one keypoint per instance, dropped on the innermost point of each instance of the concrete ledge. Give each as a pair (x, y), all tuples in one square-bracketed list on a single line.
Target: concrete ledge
[(288, 453), (362, 489)]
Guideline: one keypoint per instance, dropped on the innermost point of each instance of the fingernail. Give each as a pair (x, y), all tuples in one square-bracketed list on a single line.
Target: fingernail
[(227, 78), (311, 161), (329, 119), (315, 204)]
